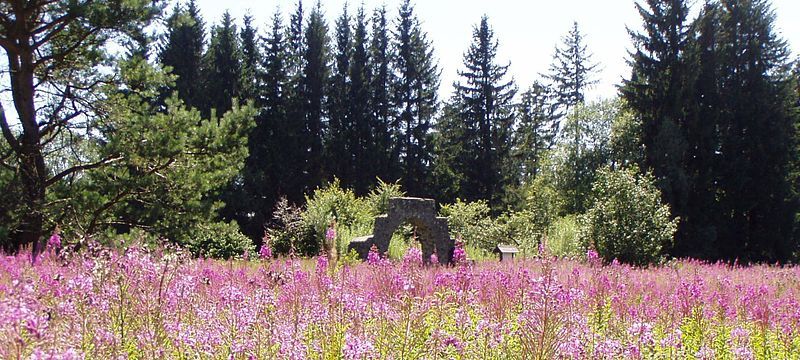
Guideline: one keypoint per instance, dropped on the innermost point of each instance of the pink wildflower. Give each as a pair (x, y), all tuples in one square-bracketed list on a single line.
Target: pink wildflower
[(55, 240), (330, 234), (459, 253), (592, 256), (266, 249), (357, 348), (413, 256), (373, 258)]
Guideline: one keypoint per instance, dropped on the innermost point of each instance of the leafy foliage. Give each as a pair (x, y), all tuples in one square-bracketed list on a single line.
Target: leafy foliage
[(332, 203), (472, 223), (627, 220), (220, 241)]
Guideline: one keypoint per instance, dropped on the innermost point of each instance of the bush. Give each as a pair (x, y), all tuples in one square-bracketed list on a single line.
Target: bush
[(289, 233), (334, 203), (219, 240), (471, 221), (378, 199), (480, 232), (627, 220), (563, 237)]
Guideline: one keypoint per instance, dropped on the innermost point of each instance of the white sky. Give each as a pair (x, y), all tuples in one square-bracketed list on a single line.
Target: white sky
[(528, 30)]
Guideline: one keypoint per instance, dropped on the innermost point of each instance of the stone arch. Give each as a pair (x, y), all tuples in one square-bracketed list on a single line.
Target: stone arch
[(432, 230)]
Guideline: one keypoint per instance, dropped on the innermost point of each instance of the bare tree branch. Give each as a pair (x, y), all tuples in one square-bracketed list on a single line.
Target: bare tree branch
[(12, 141), (83, 167)]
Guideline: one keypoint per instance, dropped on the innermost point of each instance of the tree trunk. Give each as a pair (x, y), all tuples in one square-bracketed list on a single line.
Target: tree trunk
[(33, 172)]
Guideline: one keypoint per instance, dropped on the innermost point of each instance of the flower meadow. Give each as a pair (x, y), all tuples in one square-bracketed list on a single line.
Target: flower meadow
[(147, 304)]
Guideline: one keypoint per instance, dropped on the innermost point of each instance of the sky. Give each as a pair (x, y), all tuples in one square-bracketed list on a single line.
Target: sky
[(527, 30)]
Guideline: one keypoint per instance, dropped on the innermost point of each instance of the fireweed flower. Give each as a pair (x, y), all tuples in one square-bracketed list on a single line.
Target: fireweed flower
[(330, 234), (356, 348), (156, 305), (412, 257), (373, 258), (265, 252), (54, 243), (459, 253)]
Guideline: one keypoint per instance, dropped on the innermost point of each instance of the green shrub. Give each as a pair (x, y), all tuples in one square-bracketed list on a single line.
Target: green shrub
[(627, 220), (289, 233), (219, 240), (135, 237), (378, 198), (471, 220), (563, 237), (334, 203), (521, 228)]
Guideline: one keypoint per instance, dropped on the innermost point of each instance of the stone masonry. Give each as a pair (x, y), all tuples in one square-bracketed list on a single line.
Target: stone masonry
[(432, 231)]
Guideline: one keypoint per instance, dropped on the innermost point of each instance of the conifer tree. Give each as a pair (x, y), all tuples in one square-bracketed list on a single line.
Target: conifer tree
[(272, 166), (658, 91), (339, 137), (537, 126), (380, 56), (183, 52), (415, 101), (484, 99), (757, 135), (295, 178), (223, 67), (313, 83), (572, 71), (250, 58), (362, 143)]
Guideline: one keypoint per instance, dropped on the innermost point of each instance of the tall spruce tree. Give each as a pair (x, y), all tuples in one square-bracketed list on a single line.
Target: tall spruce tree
[(296, 177), (484, 99), (272, 166), (183, 52), (415, 100), (537, 126), (339, 137), (313, 83), (223, 67), (658, 91), (700, 217), (381, 82), (757, 135), (572, 71), (250, 59), (362, 143)]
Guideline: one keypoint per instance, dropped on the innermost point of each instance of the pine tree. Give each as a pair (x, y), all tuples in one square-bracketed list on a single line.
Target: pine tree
[(183, 52), (484, 99), (362, 141), (250, 58), (536, 130), (452, 154), (415, 100), (223, 67), (380, 56), (572, 70), (339, 137), (312, 93)]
